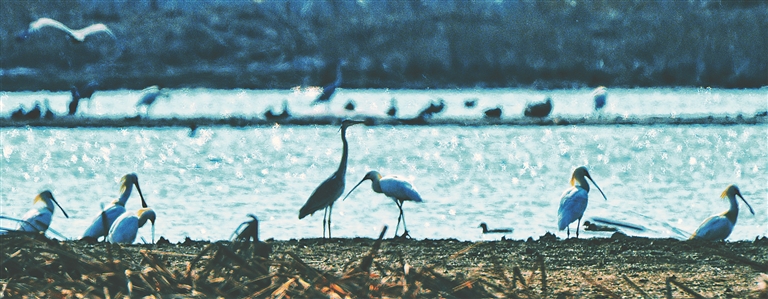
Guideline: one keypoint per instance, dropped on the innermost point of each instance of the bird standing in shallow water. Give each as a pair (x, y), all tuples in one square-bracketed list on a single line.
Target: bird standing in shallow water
[(100, 225), (38, 219), (126, 227), (328, 90), (539, 109), (332, 188), (148, 98), (599, 95), (79, 34), (718, 227), (573, 202), (394, 187)]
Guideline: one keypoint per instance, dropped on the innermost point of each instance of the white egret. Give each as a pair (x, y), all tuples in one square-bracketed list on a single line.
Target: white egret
[(126, 227), (599, 95), (573, 202), (150, 94), (100, 225), (395, 187), (332, 188), (493, 231), (38, 219), (720, 226), (79, 34)]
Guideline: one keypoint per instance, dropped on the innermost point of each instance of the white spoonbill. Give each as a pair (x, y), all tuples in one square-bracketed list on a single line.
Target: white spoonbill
[(79, 34), (393, 187), (720, 226), (100, 226), (38, 219), (126, 226), (573, 202), (333, 187)]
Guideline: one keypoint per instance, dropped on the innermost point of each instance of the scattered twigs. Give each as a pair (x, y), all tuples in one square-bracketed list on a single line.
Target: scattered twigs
[(635, 287), (602, 288), (673, 280)]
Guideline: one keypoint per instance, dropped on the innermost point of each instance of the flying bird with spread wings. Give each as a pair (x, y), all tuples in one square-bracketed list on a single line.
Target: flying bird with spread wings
[(79, 34)]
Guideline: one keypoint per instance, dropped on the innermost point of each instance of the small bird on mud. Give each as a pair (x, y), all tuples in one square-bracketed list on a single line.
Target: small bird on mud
[(333, 187), (573, 202), (39, 219), (719, 227), (600, 94), (395, 187), (101, 223), (539, 109), (126, 227), (78, 35), (494, 231)]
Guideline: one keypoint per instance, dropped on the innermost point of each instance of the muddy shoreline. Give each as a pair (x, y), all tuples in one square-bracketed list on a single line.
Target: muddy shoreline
[(614, 267)]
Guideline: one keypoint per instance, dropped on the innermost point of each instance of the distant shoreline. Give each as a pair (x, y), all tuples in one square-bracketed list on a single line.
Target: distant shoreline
[(418, 44)]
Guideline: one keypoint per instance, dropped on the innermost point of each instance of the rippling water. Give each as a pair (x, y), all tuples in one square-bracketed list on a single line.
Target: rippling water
[(661, 177)]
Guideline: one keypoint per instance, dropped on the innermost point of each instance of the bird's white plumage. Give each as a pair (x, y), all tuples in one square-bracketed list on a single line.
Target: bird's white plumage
[(716, 227), (79, 34), (96, 229), (399, 188), (36, 220), (126, 227), (573, 203)]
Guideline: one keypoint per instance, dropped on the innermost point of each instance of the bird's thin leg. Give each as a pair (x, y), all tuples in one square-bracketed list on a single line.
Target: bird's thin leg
[(330, 213), (398, 217), (405, 227), (577, 228), (568, 232), (325, 212)]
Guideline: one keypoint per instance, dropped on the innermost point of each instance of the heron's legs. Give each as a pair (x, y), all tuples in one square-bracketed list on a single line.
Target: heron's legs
[(330, 212), (568, 231), (325, 213), (577, 228)]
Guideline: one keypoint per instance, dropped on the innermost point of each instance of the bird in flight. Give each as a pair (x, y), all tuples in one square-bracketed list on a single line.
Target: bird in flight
[(79, 34)]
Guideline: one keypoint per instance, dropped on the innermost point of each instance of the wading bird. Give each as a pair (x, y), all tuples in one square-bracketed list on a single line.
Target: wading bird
[(126, 227), (493, 113), (492, 231), (269, 115), (573, 202), (392, 112), (38, 219), (79, 34), (718, 227), (332, 188), (393, 187), (84, 92), (148, 98), (539, 109), (328, 90), (599, 95), (100, 225)]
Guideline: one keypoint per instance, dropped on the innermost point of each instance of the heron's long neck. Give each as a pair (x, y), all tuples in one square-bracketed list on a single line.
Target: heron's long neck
[(582, 183), (732, 213), (126, 193), (343, 165)]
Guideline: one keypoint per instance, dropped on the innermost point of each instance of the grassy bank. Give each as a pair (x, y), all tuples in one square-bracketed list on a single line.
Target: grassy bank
[(391, 44), (616, 267)]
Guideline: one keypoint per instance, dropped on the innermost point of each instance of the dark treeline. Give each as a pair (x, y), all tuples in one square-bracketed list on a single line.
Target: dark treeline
[(392, 44)]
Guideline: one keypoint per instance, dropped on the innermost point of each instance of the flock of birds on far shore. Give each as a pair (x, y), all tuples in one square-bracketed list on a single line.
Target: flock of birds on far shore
[(150, 94), (116, 225)]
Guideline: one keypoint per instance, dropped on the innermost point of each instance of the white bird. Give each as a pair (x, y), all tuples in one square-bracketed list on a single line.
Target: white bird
[(79, 34), (38, 219), (395, 187), (126, 227), (599, 95), (333, 187), (720, 226), (573, 202), (100, 225)]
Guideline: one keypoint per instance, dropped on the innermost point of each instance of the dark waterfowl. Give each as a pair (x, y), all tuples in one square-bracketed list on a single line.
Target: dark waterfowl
[(539, 109)]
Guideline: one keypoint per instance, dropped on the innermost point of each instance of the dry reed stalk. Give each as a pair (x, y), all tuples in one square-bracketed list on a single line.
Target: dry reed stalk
[(599, 286), (673, 280), (634, 286)]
